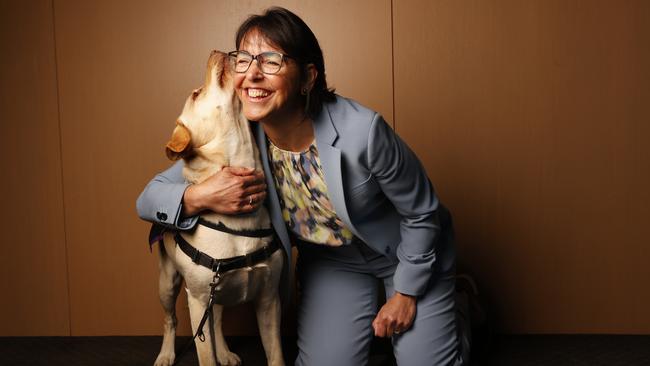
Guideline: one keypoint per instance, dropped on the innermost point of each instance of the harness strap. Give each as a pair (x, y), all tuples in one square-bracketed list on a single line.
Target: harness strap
[(226, 264), (258, 233), (207, 314), (213, 343)]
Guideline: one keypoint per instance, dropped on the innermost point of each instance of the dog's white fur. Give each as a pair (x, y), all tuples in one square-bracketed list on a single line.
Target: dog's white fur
[(212, 133)]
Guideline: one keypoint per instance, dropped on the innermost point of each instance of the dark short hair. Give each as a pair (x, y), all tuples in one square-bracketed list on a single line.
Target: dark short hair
[(287, 31)]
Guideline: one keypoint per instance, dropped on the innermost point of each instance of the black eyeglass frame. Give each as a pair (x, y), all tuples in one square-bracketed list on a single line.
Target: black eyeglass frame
[(233, 55)]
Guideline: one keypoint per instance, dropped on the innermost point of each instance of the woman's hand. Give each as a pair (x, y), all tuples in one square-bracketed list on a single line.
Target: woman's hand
[(230, 191), (396, 316)]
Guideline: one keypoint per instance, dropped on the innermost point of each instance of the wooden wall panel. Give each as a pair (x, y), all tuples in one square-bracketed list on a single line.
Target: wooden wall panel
[(125, 70), (531, 118), (33, 262)]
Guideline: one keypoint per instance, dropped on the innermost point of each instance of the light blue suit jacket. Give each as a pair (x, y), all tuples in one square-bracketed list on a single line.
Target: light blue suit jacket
[(376, 184)]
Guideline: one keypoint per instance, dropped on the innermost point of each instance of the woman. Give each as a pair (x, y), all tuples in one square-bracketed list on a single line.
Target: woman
[(347, 191)]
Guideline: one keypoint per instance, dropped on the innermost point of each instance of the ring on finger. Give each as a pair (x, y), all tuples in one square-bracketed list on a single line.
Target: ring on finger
[(250, 200)]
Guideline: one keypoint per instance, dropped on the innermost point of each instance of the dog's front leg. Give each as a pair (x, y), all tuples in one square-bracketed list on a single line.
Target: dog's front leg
[(267, 308), (169, 284), (204, 349)]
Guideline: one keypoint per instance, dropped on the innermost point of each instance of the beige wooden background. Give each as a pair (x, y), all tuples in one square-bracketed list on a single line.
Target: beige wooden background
[(531, 118)]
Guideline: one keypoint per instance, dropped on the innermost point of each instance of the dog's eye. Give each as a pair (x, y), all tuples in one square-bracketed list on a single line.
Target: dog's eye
[(196, 94)]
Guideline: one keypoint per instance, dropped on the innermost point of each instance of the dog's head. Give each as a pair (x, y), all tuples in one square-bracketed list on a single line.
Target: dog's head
[(205, 110)]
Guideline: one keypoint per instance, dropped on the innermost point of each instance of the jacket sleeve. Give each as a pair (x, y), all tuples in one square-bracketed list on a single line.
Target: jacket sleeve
[(161, 202), (404, 181)]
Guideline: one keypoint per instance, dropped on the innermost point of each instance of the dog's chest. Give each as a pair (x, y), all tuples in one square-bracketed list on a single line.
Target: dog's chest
[(233, 286), (242, 285)]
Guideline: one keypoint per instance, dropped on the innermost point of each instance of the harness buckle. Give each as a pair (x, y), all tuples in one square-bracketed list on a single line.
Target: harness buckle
[(216, 267)]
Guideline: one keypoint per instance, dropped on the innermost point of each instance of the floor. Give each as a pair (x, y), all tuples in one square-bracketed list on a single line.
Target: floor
[(504, 350)]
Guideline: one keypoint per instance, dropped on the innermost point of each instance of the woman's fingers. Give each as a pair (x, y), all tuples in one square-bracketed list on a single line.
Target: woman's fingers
[(384, 326), (249, 176), (253, 196), (395, 316), (230, 191), (254, 189)]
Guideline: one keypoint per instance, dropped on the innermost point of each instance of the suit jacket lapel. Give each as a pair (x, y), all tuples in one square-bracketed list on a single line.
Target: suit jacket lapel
[(330, 159), (272, 194)]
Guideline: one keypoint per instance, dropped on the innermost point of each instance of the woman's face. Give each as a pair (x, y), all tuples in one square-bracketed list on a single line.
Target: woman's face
[(268, 98)]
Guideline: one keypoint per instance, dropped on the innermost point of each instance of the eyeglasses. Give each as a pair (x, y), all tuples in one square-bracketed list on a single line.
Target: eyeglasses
[(268, 62)]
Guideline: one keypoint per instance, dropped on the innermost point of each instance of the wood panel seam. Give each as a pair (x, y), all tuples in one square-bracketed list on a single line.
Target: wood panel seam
[(392, 62), (58, 112)]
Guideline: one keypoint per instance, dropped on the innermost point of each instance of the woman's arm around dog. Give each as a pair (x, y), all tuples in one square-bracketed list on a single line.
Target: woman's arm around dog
[(170, 201)]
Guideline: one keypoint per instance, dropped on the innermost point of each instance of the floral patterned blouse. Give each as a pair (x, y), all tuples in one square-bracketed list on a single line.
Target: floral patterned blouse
[(302, 191)]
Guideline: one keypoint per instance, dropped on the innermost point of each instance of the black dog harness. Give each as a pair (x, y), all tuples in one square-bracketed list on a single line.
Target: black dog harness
[(228, 264), (225, 264), (219, 266)]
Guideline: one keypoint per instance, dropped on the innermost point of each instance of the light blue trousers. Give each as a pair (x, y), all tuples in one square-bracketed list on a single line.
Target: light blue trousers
[(339, 289)]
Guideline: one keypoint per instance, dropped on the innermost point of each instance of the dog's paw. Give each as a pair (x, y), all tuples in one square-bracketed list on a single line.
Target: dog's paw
[(165, 359), (228, 359)]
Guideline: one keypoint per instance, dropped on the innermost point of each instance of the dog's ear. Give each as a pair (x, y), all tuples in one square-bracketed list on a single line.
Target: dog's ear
[(179, 146)]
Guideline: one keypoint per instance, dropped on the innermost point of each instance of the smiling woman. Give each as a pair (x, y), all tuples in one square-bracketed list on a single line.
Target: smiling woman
[(320, 151), (289, 35), (271, 98)]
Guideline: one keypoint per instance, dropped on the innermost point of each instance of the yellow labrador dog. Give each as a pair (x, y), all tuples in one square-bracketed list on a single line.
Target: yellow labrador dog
[(234, 254)]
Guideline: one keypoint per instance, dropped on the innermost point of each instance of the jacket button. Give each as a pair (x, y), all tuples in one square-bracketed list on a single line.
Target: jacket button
[(161, 216), (387, 250)]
